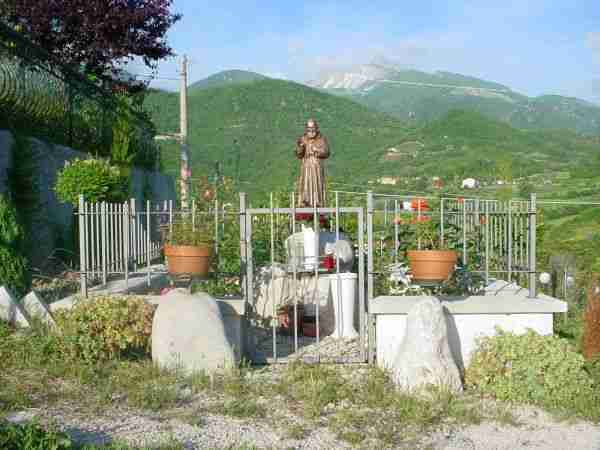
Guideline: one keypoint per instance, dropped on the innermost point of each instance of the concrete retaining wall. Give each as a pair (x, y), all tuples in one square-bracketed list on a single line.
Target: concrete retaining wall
[(51, 221)]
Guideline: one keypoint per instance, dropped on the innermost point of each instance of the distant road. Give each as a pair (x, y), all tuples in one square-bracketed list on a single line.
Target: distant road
[(416, 83)]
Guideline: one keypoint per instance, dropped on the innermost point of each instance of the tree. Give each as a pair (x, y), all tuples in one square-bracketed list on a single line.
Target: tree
[(95, 35)]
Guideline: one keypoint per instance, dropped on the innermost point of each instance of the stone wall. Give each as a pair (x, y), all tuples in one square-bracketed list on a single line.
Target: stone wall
[(52, 220)]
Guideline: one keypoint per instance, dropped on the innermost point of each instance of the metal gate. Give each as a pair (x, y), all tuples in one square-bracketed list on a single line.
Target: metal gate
[(267, 341)]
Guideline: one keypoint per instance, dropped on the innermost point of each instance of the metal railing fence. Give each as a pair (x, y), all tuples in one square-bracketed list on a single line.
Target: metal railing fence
[(494, 238), (126, 239)]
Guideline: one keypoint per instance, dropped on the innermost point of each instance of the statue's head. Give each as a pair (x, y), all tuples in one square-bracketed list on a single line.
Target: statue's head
[(312, 128)]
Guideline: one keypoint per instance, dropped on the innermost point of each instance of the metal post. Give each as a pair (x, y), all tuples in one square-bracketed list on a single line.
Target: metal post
[(82, 248), (369, 264), (510, 243), (243, 247), (92, 239), (396, 226), (274, 307), (134, 233), (363, 311), (126, 244), (119, 217), (295, 274), (104, 242), (338, 280), (532, 238), (217, 233), (442, 222), (194, 215), (419, 222), (464, 258), (148, 257), (487, 243), (316, 225), (385, 212)]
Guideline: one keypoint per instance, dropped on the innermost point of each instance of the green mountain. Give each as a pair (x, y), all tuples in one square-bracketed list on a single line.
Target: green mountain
[(250, 129), (227, 78), (423, 97)]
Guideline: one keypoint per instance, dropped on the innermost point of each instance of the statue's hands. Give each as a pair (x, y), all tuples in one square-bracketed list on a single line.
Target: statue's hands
[(300, 142)]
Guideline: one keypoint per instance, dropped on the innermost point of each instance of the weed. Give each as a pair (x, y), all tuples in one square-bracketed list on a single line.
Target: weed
[(295, 431), (243, 407)]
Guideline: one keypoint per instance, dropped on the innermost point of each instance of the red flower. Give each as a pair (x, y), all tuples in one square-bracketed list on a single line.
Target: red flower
[(482, 220), (420, 219), (308, 217), (419, 203), (460, 200)]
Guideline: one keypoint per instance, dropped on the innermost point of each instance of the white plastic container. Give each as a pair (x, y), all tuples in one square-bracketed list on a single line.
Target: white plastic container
[(310, 251), (343, 295)]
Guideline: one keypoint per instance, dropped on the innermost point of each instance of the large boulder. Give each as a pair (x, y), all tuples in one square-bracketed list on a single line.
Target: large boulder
[(36, 308), (188, 333), (424, 356), (11, 310)]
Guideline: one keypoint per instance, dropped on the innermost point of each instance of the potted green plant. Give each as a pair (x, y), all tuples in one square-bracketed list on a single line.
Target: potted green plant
[(188, 249), (431, 259)]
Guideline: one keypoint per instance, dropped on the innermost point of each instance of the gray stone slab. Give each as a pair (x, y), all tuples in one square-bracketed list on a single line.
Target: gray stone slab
[(136, 285), (476, 304), (499, 287), (37, 308), (11, 310)]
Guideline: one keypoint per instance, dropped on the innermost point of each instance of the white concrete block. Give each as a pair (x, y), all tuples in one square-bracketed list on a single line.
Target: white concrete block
[(10, 310), (467, 319), (36, 307), (463, 332)]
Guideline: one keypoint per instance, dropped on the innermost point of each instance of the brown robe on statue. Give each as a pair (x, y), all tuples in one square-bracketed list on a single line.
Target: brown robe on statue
[(311, 183)]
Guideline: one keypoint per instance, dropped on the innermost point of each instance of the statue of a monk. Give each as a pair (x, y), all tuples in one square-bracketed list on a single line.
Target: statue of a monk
[(311, 149)]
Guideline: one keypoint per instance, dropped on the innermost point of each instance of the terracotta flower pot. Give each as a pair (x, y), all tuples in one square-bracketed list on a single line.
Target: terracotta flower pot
[(188, 259), (432, 265)]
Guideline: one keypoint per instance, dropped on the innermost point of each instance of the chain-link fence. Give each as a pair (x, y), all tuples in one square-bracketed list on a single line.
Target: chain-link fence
[(47, 99)]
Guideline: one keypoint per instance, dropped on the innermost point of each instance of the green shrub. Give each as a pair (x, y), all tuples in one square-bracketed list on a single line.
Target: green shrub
[(96, 179), (104, 328), (592, 367), (13, 265), (31, 437), (530, 368)]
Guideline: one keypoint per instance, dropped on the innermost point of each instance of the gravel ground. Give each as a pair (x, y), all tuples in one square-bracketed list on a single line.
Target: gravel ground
[(329, 349), (143, 429), (197, 425), (535, 429)]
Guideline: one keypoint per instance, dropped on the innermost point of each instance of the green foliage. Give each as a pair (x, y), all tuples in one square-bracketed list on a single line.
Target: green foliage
[(188, 233), (530, 368), (121, 150), (13, 265), (32, 436), (96, 179), (106, 328)]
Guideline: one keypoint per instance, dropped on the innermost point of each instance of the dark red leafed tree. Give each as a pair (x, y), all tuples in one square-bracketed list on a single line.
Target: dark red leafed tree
[(95, 35)]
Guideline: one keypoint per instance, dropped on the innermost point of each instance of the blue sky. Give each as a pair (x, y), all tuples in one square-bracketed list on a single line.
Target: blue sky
[(533, 46)]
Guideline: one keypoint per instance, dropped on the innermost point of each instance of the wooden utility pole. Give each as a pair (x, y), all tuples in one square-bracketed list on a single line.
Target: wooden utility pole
[(186, 171)]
